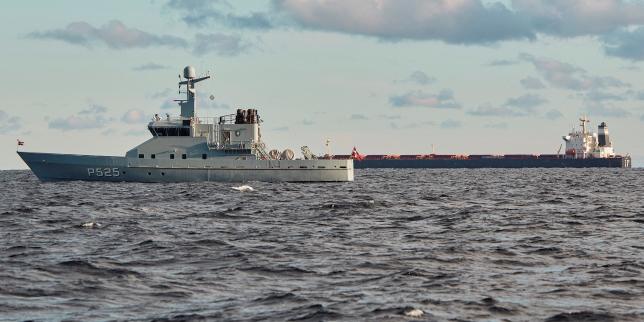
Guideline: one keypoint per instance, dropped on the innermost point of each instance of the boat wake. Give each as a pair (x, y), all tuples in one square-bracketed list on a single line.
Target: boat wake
[(244, 188)]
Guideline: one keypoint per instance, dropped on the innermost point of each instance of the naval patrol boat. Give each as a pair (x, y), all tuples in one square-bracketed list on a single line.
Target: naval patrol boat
[(194, 148)]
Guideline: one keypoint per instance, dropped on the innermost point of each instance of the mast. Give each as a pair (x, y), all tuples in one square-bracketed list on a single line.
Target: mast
[(189, 105), (584, 120)]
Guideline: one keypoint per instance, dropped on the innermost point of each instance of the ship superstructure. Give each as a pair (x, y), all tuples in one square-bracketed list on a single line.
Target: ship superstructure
[(584, 144), (194, 148)]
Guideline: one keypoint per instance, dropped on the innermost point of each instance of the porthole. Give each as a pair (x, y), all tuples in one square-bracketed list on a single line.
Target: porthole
[(237, 133), (162, 173), (149, 173)]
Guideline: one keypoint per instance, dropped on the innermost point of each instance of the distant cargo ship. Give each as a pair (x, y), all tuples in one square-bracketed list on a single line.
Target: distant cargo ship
[(583, 150)]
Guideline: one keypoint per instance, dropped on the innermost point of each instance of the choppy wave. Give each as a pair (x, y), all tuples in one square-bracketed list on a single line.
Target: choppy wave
[(485, 244)]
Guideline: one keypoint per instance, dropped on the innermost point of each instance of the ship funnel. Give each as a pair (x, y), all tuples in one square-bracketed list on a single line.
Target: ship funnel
[(189, 72), (602, 135)]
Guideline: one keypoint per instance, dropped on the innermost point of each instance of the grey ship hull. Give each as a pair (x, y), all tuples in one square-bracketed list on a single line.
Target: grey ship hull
[(60, 167)]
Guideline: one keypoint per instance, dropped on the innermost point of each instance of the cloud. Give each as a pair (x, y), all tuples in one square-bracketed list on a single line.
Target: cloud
[(203, 102), (164, 93), (93, 109), (566, 76), (92, 117), (281, 129), (532, 83), (201, 13), (169, 104), (451, 124), (553, 115), (221, 44), (527, 101), (414, 125), (598, 96), (489, 110), (420, 78), (308, 122), (501, 125), (607, 110), (75, 122), (149, 66), (461, 22), (570, 18), (135, 133), (134, 116), (9, 123), (114, 35), (358, 117), (502, 62), (628, 44), (464, 21), (443, 100), (450, 21), (632, 68), (642, 118), (389, 117), (525, 105)]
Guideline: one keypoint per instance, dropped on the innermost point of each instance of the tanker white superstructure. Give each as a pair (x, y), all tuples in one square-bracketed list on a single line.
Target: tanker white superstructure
[(584, 144), (194, 148)]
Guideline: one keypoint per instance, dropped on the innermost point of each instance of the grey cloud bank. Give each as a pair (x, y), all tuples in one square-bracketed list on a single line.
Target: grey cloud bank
[(457, 22), (118, 36), (114, 34), (525, 105), (443, 100), (532, 83), (91, 118), (149, 66), (603, 109), (419, 77), (9, 123), (566, 76), (221, 44), (202, 13), (476, 21)]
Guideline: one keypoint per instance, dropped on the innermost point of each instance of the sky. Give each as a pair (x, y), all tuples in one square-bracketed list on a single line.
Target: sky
[(386, 76)]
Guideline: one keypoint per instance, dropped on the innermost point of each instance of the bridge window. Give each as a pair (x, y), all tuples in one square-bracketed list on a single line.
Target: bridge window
[(172, 156), (204, 156), (169, 131), (184, 156), (141, 156), (153, 156)]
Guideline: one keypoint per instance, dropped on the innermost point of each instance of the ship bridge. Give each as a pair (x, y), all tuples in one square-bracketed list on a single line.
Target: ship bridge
[(227, 135)]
